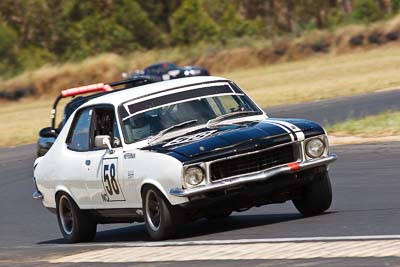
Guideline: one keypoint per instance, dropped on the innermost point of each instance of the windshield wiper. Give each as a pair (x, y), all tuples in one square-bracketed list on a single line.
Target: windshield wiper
[(215, 121), (171, 128)]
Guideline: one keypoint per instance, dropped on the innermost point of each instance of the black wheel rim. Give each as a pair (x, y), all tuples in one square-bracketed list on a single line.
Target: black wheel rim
[(153, 210), (65, 214)]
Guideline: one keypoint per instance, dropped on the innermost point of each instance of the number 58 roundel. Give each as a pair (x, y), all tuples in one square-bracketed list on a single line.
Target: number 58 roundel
[(110, 180)]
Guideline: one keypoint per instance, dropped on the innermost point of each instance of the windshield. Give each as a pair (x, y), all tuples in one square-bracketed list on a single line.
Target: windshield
[(160, 68), (201, 110)]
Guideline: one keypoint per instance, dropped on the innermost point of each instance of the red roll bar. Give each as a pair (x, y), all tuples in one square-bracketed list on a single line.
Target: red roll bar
[(98, 87), (91, 88)]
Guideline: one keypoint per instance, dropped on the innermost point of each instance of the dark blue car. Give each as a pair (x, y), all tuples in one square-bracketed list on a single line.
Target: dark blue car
[(166, 71)]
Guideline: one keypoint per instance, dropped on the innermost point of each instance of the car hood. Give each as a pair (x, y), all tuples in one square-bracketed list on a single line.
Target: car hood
[(211, 143)]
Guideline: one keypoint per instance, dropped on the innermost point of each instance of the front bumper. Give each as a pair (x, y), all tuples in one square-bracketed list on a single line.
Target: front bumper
[(37, 195), (255, 177)]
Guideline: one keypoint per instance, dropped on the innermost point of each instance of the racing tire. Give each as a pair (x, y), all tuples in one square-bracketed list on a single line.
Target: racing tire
[(317, 196), (161, 218), (75, 225)]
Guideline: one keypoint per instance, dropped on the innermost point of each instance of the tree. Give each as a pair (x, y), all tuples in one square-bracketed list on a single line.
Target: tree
[(160, 12), (131, 16), (386, 6), (191, 24), (96, 34), (231, 22), (346, 5)]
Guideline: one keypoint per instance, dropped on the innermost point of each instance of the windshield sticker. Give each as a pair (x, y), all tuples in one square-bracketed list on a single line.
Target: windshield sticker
[(190, 138), (214, 90), (176, 96)]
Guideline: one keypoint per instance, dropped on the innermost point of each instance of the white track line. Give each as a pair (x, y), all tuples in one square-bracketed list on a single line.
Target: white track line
[(234, 241), (381, 248), (215, 242)]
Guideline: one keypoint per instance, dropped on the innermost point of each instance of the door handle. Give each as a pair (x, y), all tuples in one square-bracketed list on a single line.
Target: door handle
[(87, 162)]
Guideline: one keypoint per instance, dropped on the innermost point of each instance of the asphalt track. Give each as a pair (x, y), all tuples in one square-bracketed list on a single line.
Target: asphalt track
[(366, 203), (331, 111), (366, 206)]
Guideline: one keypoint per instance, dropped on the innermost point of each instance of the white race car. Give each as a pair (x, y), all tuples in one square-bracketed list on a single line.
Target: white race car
[(175, 151)]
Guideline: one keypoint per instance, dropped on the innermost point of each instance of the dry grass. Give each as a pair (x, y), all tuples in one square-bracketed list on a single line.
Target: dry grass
[(52, 79), (326, 76), (384, 124), (20, 122)]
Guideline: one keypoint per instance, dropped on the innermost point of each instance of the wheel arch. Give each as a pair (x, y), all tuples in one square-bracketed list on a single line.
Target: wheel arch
[(154, 184), (64, 190), (173, 200)]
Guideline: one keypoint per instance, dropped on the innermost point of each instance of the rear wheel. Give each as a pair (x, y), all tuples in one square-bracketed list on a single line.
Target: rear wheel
[(317, 196), (75, 224), (161, 218)]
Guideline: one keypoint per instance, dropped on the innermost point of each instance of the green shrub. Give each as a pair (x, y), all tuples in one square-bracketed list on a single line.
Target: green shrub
[(367, 11), (396, 5), (33, 57), (8, 39)]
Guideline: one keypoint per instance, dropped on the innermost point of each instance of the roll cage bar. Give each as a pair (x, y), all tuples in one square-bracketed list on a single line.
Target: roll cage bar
[(98, 87)]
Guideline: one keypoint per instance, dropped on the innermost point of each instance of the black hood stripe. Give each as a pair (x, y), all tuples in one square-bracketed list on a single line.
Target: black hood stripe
[(287, 129), (305, 128), (294, 129)]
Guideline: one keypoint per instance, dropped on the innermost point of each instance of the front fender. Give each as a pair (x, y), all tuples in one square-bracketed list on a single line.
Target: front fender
[(159, 170), (172, 199)]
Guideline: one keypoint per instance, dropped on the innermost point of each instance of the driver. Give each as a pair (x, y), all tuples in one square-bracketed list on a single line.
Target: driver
[(141, 127)]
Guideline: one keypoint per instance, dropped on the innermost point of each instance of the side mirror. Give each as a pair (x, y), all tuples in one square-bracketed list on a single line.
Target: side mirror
[(48, 132), (103, 141)]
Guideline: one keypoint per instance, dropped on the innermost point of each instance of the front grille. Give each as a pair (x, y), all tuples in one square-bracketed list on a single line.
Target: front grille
[(252, 162)]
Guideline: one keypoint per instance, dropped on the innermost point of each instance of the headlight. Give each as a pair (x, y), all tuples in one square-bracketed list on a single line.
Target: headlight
[(315, 148), (194, 176)]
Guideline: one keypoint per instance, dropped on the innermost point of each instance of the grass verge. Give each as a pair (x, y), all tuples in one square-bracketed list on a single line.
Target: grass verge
[(384, 124), (326, 76), (20, 122)]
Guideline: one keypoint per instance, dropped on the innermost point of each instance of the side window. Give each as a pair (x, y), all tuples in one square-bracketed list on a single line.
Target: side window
[(232, 104), (212, 101), (105, 123), (79, 137)]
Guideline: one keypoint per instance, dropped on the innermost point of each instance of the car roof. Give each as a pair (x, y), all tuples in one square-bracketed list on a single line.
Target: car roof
[(160, 63), (121, 96)]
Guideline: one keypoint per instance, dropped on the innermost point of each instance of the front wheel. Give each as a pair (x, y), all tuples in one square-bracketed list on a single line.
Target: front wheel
[(160, 216), (317, 196), (74, 223)]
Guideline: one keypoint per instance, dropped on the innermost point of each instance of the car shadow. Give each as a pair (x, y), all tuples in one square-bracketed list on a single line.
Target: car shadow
[(203, 227), (236, 222)]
